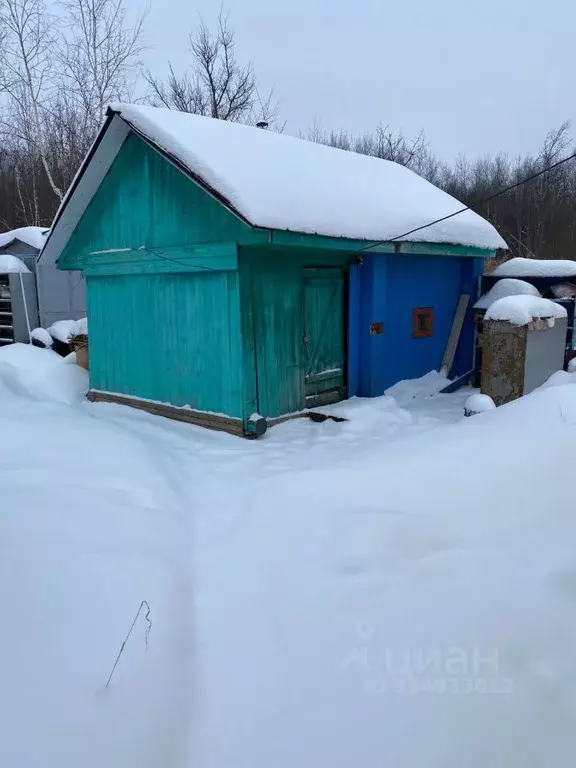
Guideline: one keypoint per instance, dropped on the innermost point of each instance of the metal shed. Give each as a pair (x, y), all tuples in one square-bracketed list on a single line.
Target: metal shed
[(18, 308), (60, 295)]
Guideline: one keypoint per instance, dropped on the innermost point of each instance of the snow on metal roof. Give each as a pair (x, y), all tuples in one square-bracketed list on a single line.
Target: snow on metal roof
[(520, 267), (35, 237), (9, 263)]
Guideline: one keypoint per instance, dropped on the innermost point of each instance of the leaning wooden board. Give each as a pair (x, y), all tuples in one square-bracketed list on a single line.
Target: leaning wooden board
[(455, 331)]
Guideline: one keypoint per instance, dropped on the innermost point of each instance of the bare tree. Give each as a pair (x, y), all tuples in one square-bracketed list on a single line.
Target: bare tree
[(98, 59), (383, 143), (56, 76), (216, 85), (27, 74), (181, 92)]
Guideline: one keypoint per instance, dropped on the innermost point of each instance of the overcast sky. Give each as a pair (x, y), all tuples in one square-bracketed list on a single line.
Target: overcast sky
[(477, 75)]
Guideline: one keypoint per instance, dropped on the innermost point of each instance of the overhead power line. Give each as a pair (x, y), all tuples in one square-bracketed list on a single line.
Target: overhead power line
[(472, 206)]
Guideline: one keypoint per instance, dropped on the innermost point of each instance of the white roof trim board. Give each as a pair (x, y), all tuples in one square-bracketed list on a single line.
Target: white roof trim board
[(90, 175), (274, 181)]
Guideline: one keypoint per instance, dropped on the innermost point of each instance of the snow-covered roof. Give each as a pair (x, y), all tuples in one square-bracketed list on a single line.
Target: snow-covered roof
[(35, 237), (522, 309), (275, 181), (281, 182), (508, 286), (519, 267), (11, 264)]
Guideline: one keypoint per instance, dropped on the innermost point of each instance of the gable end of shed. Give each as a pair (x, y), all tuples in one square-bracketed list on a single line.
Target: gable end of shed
[(144, 201)]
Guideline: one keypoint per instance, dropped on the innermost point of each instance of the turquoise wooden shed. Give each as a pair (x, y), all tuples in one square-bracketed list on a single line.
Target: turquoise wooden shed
[(236, 276)]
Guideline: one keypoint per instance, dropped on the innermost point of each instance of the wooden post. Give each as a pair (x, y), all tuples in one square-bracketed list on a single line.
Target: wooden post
[(454, 336)]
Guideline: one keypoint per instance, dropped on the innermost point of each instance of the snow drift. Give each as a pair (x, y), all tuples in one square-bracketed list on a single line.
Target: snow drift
[(40, 374), (386, 591)]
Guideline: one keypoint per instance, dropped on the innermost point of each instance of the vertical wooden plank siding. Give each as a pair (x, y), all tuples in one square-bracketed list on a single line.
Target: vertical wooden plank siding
[(323, 332), (277, 316), (174, 338), (272, 282), (354, 329), (144, 200), (234, 392), (249, 361)]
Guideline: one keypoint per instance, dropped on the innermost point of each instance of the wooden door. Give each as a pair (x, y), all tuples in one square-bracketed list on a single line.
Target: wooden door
[(323, 337)]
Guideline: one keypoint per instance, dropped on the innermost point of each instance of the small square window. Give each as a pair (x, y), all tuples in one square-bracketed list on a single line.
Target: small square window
[(422, 322)]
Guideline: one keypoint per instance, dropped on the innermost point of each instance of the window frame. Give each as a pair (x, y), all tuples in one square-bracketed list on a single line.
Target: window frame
[(422, 330)]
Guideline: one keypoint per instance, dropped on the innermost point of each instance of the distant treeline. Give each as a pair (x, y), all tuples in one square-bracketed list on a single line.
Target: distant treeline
[(57, 73)]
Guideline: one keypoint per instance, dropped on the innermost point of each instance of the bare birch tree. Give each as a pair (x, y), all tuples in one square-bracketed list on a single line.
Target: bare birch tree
[(56, 76), (216, 85), (98, 60), (27, 75)]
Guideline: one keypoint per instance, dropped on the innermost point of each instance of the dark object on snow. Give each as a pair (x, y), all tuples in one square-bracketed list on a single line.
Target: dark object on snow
[(63, 348), (318, 418), (456, 384)]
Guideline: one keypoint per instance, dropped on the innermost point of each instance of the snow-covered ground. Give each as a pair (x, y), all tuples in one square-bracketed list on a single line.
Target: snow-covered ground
[(393, 590)]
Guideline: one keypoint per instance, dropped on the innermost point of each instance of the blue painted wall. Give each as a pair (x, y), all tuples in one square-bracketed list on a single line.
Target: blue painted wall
[(387, 288)]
